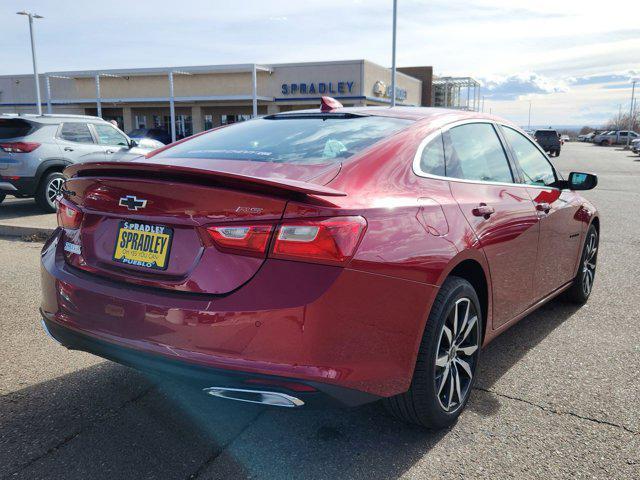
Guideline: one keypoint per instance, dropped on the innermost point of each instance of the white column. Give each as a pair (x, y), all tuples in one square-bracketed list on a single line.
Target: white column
[(196, 119), (47, 82), (127, 119), (172, 108), (98, 102), (254, 93)]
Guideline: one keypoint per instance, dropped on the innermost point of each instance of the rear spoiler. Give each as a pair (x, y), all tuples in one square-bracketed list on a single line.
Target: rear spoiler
[(177, 172)]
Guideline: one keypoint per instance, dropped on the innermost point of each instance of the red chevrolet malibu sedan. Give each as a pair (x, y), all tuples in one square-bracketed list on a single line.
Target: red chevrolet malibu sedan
[(336, 255)]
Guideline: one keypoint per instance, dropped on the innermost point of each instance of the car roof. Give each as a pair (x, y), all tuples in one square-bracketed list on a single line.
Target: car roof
[(409, 113), (51, 118)]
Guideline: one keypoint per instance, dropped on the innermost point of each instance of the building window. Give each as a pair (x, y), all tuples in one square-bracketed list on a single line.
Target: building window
[(227, 119), (184, 126), (208, 122), (157, 121), (141, 121)]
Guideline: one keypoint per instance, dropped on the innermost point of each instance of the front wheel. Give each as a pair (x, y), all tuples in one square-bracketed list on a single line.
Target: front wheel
[(447, 360), (48, 190), (582, 286)]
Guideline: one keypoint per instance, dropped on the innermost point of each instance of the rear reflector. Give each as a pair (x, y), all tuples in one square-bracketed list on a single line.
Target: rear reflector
[(19, 147), (332, 240), (69, 216), (251, 239)]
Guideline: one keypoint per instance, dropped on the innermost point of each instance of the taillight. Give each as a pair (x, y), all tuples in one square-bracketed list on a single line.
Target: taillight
[(19, 147), (250, 239), (332, 240), (69, 215)]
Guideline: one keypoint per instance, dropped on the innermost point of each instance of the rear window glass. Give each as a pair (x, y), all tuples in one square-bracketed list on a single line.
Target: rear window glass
[(290, 140), (11, 128)]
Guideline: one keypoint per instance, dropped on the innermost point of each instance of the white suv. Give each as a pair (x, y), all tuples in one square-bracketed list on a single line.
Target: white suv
[(35, 149)]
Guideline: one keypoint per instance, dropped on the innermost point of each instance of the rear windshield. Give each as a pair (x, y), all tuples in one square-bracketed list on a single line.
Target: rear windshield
[(290, 140), (546, 133), (12, 128)]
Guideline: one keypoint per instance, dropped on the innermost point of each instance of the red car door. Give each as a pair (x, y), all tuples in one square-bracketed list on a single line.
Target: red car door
[(560, 229), (499, 211)]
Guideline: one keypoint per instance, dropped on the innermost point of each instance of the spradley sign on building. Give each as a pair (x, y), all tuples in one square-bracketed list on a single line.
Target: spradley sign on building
[(318, 88)]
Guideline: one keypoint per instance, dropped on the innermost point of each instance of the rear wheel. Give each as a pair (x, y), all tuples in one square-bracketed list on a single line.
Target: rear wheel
[(48, 190), (447, 360), (580, 291)]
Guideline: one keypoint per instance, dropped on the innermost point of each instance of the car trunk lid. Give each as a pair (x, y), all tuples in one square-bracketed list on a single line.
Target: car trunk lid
[(162, 211)]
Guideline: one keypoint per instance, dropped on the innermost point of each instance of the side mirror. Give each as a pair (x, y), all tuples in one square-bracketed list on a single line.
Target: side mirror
[(133, 143), (582, 181)]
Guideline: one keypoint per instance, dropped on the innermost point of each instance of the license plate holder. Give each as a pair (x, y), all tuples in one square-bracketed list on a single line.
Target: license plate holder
[(143, 245)]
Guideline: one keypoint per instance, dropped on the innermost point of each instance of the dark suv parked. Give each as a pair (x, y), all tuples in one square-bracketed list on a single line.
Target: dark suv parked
[(549, 140)]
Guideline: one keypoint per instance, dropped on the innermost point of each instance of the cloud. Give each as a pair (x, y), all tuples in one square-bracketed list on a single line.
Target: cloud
[(514, 86)]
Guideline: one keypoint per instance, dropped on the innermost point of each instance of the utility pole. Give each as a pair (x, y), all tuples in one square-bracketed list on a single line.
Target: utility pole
[(529, 122), (393, 54), (633, 94), (33, 57)]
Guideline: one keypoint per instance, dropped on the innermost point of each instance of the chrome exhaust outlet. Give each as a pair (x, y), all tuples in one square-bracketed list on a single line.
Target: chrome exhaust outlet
[(255, 396)]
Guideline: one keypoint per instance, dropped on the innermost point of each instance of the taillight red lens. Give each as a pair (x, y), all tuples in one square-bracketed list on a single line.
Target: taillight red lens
[(250, 239), (332, 240), (19, 147), (69, 215)]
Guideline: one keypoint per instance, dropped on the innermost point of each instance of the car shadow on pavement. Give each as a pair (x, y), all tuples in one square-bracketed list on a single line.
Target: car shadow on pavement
[(108, 421), (19, 208), (508, 349)]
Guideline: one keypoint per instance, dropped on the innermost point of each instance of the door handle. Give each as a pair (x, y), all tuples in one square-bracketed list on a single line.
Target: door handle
[(543, 207), (68, 149), (111, 151), (483, 210)]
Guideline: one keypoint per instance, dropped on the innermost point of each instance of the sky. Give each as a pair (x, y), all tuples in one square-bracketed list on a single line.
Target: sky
[(571, 60)]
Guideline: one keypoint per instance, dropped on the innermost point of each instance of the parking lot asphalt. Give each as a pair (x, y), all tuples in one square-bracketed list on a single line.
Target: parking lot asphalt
[(557, 396), (22, 217)]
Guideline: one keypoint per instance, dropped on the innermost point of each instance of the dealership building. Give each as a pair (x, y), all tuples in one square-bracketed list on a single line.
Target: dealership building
[(202, 97)]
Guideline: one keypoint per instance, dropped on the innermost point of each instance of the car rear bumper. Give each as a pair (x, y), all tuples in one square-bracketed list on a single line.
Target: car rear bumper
[(352, 335), (20, 186), (199, 377)]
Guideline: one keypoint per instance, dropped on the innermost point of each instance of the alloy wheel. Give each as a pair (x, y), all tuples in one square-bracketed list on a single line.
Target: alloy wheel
[(589, 264), (53, 189), (457, 354)]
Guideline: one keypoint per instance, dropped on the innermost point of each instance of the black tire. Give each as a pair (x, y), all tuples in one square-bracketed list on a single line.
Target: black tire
[(423, 404), (2, 197), (582, 286), (44, 194)]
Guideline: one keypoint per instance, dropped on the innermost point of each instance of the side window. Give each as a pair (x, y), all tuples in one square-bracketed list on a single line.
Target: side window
[(76, 132), (535, 166), (477, 154), (107, 135), (432, 159)]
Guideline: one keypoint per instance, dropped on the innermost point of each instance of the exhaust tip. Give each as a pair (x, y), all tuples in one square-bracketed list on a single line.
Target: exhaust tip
[(276, 399)]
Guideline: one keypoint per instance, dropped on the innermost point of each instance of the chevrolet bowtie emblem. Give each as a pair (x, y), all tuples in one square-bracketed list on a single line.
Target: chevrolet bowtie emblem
[(132, 203)]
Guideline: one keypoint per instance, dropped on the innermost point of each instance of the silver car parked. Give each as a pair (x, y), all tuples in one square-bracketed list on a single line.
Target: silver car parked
[(35, 149)]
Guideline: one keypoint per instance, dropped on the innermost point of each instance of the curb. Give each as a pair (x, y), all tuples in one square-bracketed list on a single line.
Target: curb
[(27, 233)]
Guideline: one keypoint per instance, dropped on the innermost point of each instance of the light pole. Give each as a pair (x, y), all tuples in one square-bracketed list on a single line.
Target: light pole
[(633, 94), (33, 56), (529, 121), (393, 55)]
